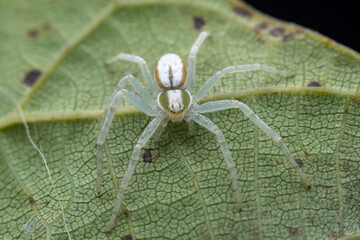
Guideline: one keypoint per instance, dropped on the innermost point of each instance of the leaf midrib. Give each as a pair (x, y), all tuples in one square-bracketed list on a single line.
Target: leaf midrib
[(39, 117)]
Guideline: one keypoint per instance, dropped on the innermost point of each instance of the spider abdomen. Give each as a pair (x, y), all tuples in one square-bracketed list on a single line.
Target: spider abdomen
[(170, 72), (175, 103)]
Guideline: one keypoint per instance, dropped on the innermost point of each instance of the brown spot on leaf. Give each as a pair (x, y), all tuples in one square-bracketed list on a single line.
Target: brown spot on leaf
[(33, 33), (288, 37), (148, 155), (47, 202), (335, 235), (322, 186), (277, 32), (31, 200), (346, 111), (242, 12), (255, 236), (314, 84), (126, 212), (46, 28), (31, 77), (294, 231), (260, 40), (299, 162), (305, 109), (127, 237), (260, 27), (198, 22)]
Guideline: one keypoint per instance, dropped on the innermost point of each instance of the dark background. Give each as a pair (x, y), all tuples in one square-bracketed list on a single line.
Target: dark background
[(339, 20)]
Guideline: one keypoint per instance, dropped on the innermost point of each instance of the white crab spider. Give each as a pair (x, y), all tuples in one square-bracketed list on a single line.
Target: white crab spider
[(170, 99)]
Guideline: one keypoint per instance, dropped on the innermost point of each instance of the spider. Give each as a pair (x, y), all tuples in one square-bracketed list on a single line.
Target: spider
[(169, 98)]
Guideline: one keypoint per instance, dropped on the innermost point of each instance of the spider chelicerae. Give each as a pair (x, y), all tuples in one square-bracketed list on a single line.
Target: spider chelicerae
[(169, 98)]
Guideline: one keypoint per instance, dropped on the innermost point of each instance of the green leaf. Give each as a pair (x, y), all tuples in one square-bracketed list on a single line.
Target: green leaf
[(52, 56)]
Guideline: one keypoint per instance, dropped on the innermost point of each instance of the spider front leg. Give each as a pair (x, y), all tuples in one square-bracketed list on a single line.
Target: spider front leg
[(143, 66), (228, 104), (107, 120), (139, 88), (144, 138), (204, 89), (190, 78), (208, 124)]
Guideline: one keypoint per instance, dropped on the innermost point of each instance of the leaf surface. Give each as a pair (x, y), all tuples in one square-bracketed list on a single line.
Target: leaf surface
[(52, 59)]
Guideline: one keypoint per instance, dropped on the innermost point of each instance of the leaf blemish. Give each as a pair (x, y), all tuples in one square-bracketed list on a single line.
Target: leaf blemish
[(288, 37), (277, 32), (31, 77), (305, 109), (307, 153), (149, 157), (243, 12), (127, 237), (33, 33), (198, 23), (127, 214), (46, 28), (294, 231), (260, 27), (299, 162), (31, 200), (314, 84)]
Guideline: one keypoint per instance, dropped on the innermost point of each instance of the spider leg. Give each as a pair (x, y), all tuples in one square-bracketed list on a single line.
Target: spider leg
[(191, 127), (136, 84), (190, 78), (107, 120), (143, 66), (204, 89), (228, 104), (145, 136), (208, 124), (161, 130)]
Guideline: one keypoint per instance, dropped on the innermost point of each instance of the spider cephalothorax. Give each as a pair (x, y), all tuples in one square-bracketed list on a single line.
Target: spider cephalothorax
[(169, 98)]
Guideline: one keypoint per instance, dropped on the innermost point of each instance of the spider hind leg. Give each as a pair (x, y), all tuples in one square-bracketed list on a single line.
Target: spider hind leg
[(229, 104), (208, 124)]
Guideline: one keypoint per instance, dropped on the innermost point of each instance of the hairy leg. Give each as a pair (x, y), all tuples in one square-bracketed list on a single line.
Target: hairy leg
[(206, 123), (204, 89), (107, 120), (190, 78), (144, 138), (228, 104), (144, 69)]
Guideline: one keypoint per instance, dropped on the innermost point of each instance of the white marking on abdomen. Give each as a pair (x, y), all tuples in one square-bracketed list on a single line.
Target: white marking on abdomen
[(170, 70)]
